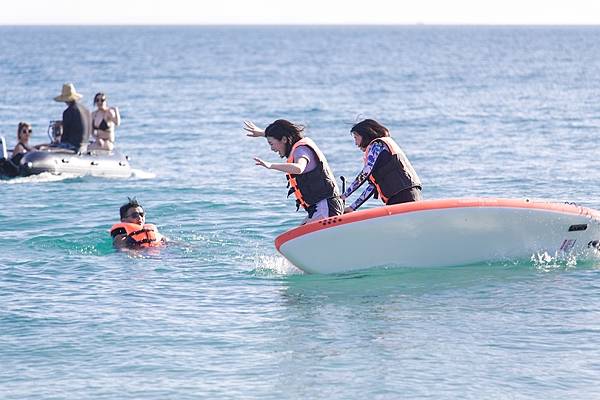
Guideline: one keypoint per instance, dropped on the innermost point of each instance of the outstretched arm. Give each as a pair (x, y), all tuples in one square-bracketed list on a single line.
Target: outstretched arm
[(362, 177), (364, 196), (358, 181), (289, 168), (253, 130)]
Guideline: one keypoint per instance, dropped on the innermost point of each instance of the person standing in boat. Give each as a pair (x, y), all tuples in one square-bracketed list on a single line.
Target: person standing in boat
[(76, 120), (309, 177), (133, 232), (104, 121), (391, 176)]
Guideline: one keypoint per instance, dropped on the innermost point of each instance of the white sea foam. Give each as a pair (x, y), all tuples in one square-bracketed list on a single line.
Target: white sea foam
[(274, 264), (545, 261), (39, 178)]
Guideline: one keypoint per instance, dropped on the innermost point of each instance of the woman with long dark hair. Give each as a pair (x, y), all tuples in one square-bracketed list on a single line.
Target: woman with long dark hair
[(309, 176), (391, 176)]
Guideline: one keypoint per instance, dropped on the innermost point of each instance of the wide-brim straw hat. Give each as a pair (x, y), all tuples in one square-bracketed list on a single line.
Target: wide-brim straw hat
[(68, 93)]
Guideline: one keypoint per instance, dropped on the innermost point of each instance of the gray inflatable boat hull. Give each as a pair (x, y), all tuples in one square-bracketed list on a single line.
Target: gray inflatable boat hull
[(61, 161)]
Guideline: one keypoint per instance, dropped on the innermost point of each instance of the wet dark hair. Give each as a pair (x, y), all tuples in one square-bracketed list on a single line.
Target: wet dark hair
[(132, 203), (284, 128), (369, 130)]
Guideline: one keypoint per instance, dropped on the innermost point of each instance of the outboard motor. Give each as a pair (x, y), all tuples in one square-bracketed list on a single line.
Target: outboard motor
[(55, 131), (7, 167), (3, 152)]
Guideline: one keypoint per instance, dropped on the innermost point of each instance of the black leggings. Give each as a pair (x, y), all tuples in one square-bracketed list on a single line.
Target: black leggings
[(406, 196)]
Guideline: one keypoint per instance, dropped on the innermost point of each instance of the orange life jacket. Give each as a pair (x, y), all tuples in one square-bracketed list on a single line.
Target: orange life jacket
[(395, 175), (311, 187), (138, 235)]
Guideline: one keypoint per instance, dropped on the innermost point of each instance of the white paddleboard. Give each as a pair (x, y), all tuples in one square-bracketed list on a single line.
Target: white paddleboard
[(442, 233)]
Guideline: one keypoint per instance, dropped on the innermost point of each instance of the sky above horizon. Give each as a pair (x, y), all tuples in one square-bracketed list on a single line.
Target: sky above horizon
[(137, 12)]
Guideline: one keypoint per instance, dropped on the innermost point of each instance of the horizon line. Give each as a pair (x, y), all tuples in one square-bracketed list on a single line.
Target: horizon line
[(306, 24)]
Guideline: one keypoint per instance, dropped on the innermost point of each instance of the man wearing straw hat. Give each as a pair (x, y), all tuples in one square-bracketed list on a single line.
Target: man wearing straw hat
[(76, 120)]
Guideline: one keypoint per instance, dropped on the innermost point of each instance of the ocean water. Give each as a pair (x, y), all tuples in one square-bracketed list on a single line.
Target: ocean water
[(480, 111)]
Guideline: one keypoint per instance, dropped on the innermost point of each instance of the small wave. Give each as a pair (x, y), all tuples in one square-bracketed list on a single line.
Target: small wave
[(140, 174), (39, 178)]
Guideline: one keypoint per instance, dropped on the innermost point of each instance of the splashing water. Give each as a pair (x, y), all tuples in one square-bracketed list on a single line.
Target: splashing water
[(274, 264), (544, 261)]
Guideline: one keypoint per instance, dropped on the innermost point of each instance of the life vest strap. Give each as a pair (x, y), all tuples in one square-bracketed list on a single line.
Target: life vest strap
[(378, 191), (143, 230), (143, 241)]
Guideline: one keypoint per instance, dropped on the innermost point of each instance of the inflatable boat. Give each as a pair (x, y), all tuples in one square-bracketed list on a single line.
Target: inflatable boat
[(58, 161), (443, 233)]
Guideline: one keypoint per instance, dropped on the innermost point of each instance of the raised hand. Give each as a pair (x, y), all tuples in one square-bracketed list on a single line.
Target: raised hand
[(262, 163), (253, 130)]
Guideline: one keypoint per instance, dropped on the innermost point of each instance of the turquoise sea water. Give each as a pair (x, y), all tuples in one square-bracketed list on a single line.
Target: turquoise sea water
[(502, 112)]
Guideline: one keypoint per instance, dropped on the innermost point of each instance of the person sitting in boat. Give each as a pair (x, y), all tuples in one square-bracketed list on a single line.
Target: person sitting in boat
[(24, 132), (104, 121), (76, 120), (391, 176), (133, 232), (10, 166), (309, 177)]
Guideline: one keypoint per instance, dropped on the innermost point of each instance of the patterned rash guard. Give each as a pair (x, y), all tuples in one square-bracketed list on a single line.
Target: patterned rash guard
[(362, 177)]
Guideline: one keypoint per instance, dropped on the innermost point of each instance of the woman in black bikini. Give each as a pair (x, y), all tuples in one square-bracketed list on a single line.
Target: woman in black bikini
[(104, 121)]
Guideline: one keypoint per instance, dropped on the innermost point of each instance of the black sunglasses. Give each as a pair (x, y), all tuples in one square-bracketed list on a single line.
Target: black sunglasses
[(26, 130), (136, 214), (99, 99)]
